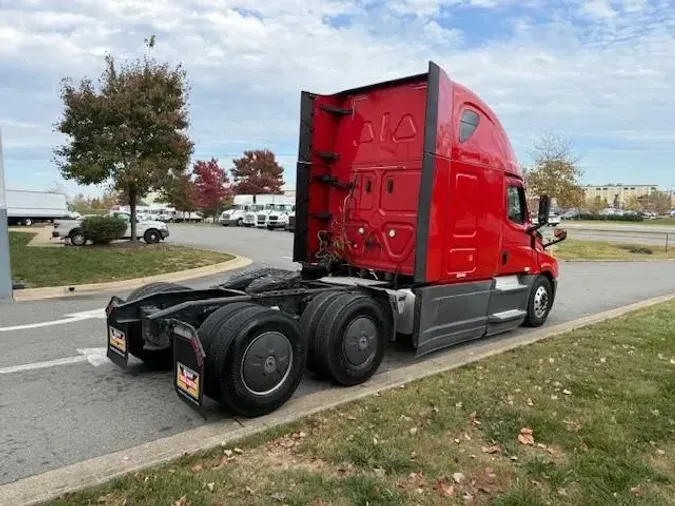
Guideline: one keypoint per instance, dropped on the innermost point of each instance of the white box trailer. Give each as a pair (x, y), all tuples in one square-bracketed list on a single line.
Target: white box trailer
[(25, 207)]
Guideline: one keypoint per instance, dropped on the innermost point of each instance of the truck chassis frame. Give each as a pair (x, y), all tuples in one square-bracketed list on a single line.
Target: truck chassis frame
[(172, 327)]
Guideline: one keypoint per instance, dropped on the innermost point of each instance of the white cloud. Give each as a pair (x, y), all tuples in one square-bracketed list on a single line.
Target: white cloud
[(588, 69), (599, 8)]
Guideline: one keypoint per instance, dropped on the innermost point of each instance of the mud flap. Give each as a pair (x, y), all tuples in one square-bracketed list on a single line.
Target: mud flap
[(118, 342), (188, 365)]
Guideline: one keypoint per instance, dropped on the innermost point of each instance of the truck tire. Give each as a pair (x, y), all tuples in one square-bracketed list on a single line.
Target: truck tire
[(158, 360), (152, 236), (309, 321), (249, 385), (540, 302), (243, 279), (77, 238), (351, 338), (207, 333), (240, 222)]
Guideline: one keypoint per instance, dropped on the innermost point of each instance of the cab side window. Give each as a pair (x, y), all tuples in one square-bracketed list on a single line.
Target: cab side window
[(468, 123), (516, 204)]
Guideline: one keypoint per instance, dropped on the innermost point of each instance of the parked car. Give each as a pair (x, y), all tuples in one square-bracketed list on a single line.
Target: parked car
[(150, 231)]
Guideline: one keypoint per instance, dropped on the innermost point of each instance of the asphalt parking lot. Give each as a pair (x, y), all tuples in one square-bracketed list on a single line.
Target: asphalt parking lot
[(83, 406)]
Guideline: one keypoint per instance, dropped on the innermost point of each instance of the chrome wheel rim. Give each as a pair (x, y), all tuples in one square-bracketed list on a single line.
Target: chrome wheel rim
[(541, 302)]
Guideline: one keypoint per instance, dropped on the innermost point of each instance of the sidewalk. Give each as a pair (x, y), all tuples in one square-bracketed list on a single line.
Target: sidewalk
[(43, 236)]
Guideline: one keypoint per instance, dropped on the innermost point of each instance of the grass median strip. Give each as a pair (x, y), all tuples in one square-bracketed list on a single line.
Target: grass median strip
[(572, 249), (71, 265), (586, 418)]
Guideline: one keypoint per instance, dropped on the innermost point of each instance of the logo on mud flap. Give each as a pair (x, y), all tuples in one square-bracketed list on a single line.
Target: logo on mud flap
[(188, 381), (117, 340)]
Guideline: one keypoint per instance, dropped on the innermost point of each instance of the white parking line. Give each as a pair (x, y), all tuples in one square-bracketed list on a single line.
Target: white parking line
[(42, 365), (70, 318), (95, 356)]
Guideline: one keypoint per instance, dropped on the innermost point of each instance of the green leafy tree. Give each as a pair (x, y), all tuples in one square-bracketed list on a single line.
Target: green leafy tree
[(129, 132), (555, 171), (632, 204), (181, 193)]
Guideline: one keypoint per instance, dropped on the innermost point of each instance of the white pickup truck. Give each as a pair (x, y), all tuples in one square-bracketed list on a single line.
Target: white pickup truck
[(151, 232)]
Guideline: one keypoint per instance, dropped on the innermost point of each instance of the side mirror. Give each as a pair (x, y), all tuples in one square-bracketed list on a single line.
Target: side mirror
[(544, 209), (559, 235)]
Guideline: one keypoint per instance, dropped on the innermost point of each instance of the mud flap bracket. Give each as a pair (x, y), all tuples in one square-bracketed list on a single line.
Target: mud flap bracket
[(118, 339), (188, 365)]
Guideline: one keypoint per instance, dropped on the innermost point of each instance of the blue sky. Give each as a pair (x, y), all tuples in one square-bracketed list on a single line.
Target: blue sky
[(599, 72)]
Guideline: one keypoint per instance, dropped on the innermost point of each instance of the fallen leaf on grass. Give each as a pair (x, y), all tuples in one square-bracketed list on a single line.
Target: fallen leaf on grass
[(445, 490), (228, 453), (530, 402), (239, 451), (296, 435), (567, 392), (474, 420), (278, 497), (379, 472), (458, 477), (183, 501), (211, 486), (491, 449), (197, 468), (250, 490), (525, 437), (636, 491), (413, 431)]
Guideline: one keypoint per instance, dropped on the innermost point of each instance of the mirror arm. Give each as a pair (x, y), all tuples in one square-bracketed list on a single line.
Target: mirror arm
[(534, 228)]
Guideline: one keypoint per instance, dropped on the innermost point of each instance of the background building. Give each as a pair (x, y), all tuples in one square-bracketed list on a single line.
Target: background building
[(618, 194)]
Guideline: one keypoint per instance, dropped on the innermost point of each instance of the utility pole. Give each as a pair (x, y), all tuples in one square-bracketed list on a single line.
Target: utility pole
[(5, 270)]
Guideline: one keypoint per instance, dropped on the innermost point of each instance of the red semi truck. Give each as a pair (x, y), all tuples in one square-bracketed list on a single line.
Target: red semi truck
[(411, 223)]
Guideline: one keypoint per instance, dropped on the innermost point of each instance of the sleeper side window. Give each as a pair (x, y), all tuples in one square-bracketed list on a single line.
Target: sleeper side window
[(468, 123), (516, 204)]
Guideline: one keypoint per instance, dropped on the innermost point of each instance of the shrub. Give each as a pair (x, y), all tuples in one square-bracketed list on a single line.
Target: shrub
[(103, 229), (611, 217), (639, 250)]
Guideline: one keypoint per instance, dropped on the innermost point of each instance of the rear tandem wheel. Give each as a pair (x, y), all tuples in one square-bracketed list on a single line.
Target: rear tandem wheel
[(350, 338), (255, 360)]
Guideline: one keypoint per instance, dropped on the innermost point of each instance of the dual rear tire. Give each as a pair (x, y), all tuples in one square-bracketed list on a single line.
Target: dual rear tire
[(255, 357), (347, 334)]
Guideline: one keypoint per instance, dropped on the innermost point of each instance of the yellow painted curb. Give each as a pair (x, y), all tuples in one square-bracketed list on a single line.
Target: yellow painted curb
[(50, 292), (46, 486)]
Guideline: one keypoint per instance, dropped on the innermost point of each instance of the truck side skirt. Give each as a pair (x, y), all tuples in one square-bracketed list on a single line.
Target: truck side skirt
[(449, 314)]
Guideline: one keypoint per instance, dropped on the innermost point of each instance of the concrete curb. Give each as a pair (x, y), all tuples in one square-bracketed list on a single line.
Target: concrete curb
[(51, 292), (51, 484)]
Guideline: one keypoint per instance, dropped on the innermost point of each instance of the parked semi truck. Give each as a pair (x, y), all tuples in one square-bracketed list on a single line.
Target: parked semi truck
[(411, 223)]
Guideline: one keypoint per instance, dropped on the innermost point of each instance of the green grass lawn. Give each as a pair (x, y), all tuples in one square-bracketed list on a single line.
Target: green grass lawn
[(571, 249), (94, 264), (583, 419)]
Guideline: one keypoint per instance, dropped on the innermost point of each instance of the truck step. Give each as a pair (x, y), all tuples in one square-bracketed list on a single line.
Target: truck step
[(338, 111), (509, 284), (333, 181), (325, 216), (505, 316), (326, 155)]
